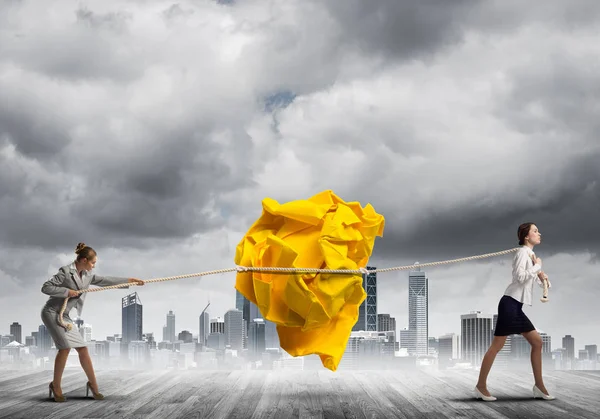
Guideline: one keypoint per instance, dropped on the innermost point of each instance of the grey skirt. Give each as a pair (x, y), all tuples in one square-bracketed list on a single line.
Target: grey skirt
[(62, 338)]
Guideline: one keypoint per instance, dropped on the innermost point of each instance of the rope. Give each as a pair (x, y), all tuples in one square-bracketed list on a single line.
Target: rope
[(360, 271)]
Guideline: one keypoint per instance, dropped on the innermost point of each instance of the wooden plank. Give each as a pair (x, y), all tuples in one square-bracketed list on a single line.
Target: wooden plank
[(248, 400), (379, 405), (328, 397), (345, 389), (268, 399), (289, 402), (299, 394)]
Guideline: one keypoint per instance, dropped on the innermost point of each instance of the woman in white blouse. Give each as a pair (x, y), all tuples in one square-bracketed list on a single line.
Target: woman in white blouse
[(526, 269)]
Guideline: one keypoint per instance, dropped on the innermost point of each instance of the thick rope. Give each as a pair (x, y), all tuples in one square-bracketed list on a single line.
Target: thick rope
[(361, 271)]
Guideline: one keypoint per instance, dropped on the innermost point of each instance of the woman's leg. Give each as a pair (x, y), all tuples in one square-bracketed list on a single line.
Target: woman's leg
[(488, 361), (86, 363), (59, 366), (535, 340)]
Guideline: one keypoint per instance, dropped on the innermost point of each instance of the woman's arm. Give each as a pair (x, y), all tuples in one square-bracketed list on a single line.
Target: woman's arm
[(541, 277), (520, 272), (105, 281), (54, 287)]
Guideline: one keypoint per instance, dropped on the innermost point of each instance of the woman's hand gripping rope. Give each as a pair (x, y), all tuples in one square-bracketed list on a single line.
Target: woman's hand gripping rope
[(544, 278)]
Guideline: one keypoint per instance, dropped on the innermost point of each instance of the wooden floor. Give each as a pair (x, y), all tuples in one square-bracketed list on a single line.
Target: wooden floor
[(299, 394)]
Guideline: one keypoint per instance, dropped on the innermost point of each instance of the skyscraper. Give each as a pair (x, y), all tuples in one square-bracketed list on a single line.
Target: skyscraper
[(234, 325), (256, 338), (240, 300), (568, 342), (16, 331), (271, 336), (408, 340), (250, 312), (44, 339), (418, 310), (131, 318), (592, 351), (217, 325), (204, 329), (386, 323), (367, 311), (476, 336), (170, 327)]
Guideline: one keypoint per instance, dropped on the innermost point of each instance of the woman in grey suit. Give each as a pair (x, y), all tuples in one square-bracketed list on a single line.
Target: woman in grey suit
[(66, 283)]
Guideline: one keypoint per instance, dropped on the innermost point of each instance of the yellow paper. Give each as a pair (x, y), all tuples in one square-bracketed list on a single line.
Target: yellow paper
[(314, 313)]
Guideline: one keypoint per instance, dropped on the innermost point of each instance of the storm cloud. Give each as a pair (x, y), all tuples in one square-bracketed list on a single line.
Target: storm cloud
[(153, 131)]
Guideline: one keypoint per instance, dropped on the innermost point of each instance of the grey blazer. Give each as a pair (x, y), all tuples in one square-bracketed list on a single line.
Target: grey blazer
[(67, 279)]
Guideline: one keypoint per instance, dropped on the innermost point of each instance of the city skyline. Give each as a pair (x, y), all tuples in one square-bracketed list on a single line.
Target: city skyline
[(228, 335), (418, 282)]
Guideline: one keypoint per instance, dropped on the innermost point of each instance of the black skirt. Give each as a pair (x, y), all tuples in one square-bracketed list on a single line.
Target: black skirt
[(511, 319)]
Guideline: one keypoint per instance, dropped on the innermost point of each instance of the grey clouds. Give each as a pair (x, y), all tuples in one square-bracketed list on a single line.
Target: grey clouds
[(152, 131)]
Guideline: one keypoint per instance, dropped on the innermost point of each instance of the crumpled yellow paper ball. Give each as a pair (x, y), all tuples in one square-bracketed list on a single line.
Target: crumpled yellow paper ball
[(314, 313)]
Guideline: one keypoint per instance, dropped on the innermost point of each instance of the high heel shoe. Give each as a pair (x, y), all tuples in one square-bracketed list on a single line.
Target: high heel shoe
[(537, 393), (51, 393), (97, 396), (480, 395)]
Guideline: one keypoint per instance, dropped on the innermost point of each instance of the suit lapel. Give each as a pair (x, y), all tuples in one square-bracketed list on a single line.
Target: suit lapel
[(75, 279)]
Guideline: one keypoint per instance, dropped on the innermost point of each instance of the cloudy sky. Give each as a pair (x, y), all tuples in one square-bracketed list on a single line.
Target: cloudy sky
[(152, 131)]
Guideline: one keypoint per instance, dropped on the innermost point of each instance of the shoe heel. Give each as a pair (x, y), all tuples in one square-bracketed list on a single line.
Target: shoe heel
[(96, 396), (52, 394)]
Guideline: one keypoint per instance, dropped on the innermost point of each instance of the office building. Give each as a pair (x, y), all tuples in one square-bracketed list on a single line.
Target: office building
[(131, 318), (234, 333), (367, 311), (476, 336), (17, 331)]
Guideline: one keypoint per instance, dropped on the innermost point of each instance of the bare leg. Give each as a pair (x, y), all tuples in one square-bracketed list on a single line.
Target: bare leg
[(86, 363), (59, 366), (488, 361), (535, 340)]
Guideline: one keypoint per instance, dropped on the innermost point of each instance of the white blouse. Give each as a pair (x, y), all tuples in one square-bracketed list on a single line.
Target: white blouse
[(524, 273)]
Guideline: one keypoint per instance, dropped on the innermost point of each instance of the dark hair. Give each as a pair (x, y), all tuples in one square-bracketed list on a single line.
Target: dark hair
[(523, 231), (84, 252)]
